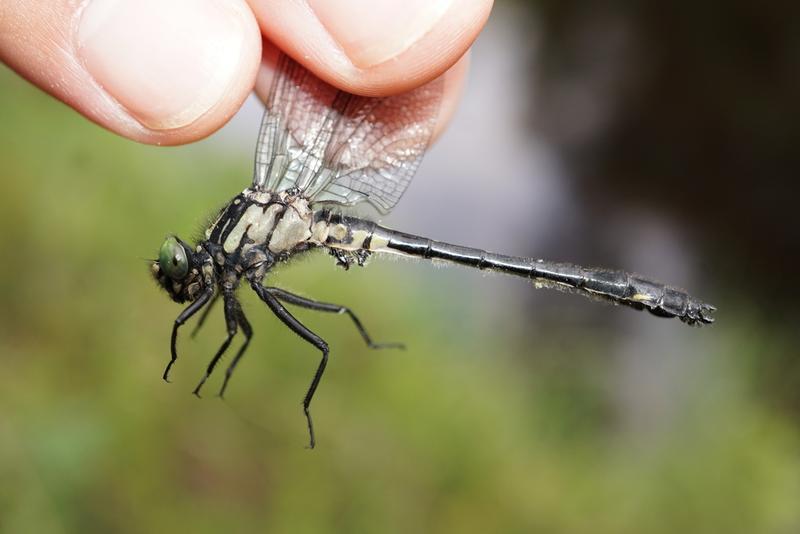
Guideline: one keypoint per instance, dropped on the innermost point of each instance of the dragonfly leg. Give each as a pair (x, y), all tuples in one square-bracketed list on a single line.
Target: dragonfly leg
[(301, 330), (244, 324), (297, 300), (185, 315), (232, 323), (204, 315)]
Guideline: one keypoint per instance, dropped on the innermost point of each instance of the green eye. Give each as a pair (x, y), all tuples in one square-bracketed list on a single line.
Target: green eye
[(172, 259)]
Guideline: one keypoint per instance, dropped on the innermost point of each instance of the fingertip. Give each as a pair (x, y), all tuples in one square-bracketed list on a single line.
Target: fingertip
[(179, 68), (374, 49), (155, 72)]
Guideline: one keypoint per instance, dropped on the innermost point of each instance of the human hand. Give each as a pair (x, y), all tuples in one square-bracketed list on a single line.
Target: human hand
[(174, 71)]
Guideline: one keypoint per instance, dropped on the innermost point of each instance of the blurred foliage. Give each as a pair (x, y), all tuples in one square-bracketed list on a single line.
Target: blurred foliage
[(469, 430)]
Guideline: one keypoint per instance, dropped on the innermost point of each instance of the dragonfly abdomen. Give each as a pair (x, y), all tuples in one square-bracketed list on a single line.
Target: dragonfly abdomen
[(618, 287)]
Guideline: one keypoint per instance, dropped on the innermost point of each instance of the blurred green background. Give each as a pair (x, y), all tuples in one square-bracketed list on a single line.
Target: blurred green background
[(510, 416)]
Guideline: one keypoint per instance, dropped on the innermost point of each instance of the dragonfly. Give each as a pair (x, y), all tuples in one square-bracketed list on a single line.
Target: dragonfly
[(322, 156)]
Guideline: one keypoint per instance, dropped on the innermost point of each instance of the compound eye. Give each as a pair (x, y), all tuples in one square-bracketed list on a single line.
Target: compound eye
[(172, 259)]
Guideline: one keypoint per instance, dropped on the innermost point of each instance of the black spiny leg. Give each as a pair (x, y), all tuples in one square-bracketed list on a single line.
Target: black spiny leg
[(297, 300), (204, 316), (302, 331), (185, 315), (244, 324), (231, 321)]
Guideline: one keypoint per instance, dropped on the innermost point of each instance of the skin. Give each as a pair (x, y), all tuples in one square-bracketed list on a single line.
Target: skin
[(172, 73)]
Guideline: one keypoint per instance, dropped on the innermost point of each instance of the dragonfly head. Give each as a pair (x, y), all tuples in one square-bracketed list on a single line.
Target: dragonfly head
[(181, 271)]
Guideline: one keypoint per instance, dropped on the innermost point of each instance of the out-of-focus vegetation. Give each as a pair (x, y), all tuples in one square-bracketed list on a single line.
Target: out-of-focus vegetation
[(471, 429)]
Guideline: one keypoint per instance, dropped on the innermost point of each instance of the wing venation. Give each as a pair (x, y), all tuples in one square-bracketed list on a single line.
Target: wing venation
[(341, 148)]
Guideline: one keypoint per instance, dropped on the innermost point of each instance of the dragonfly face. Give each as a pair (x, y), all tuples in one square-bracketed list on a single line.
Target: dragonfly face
[(321, 153), (181, 271)]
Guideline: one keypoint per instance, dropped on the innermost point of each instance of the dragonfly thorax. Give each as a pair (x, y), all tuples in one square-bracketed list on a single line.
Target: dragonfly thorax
[(273, 224)]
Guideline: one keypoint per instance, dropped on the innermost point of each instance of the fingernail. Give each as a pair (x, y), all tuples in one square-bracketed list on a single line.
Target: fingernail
[(371, 32), (166, 62)]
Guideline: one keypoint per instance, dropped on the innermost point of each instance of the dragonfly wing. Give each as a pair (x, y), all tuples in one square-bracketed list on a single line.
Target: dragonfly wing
[(296, 123), (341, 148)]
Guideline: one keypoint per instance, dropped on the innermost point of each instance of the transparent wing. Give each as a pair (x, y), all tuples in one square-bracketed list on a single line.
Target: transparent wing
[(341, 148)]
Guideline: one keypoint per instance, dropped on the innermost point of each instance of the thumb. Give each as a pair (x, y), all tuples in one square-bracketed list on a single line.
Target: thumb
[(153, 71)]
